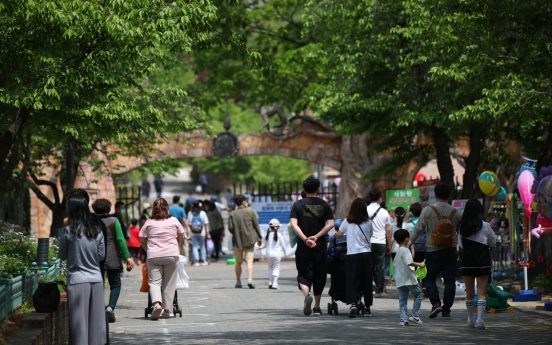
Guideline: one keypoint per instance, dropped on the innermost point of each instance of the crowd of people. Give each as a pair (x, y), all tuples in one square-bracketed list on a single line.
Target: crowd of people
[(96, 244)]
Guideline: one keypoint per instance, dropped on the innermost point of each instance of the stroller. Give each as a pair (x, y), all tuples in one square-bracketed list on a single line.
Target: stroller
[(145, 288), (337, 257)]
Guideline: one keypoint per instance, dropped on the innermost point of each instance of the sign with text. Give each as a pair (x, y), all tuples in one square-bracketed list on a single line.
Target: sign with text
[(400, 198), (426, 190), (461, 204)]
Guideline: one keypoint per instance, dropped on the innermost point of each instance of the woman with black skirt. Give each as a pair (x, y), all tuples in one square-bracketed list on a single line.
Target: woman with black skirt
[(475, 237)]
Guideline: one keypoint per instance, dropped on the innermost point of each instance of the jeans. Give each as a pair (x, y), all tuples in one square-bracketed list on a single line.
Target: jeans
[(444, 261), (403, 300), (378, 257), (198, 242)]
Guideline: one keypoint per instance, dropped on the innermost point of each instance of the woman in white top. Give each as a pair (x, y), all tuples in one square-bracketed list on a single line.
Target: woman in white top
[(360, 267), (475, 237), (275, 249)]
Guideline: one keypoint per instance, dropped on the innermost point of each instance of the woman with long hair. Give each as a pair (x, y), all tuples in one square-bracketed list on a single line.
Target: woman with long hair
[(162, 236), (360, 267), (82, 245), (216, 226), (475, 237)]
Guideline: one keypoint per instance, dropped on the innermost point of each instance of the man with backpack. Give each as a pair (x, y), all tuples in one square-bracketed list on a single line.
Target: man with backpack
[(198, 223), (381, 238), (244, 227), (441, 220)]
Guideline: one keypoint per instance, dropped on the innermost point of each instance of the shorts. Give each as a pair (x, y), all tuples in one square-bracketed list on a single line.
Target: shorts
[(239, 254)]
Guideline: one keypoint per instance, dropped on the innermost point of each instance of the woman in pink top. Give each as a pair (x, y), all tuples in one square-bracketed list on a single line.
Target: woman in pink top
[(161, 236)]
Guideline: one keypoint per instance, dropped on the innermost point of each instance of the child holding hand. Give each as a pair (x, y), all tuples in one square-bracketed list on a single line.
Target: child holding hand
[(406, 279), (275, 249)]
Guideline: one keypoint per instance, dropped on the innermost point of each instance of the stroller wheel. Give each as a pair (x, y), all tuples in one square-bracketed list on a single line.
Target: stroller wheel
[(334, 307), (330, 311)]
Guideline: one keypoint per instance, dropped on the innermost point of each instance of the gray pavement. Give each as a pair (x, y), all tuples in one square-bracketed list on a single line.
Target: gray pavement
[(214, 312)]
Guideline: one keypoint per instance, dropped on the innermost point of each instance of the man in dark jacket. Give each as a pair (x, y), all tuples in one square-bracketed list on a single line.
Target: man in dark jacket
[(244, 227)]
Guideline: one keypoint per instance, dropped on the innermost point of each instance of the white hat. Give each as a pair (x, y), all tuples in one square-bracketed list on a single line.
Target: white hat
[(274, 222)]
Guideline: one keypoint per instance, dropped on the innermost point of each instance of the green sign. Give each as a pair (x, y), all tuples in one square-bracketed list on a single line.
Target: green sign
[(400, 197)]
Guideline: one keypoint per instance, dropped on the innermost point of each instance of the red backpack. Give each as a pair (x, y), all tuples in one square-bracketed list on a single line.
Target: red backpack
[(443, 234)]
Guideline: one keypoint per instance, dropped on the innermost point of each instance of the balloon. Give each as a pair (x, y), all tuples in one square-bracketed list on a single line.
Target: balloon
[(501, 196), (543, 221), (488, 183), (525, 182), (542, 189)]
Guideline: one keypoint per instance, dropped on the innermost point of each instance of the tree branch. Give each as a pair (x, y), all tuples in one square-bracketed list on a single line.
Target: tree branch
[(41, 195), (47, 183)]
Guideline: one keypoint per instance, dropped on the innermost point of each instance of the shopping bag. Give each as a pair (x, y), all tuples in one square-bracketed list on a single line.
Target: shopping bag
[(421, 272), (183, 279), (145, 279), (210, 246)]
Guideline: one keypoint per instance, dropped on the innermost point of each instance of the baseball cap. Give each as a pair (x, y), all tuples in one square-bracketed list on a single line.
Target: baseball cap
[(274, 222)]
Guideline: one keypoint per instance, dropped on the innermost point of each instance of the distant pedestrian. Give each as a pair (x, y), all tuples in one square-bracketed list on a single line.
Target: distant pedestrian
[(360, 267), (311, 218), (161, 236), (158, 183), (407, 281), (178, 212), (475, 237), (204, 182), (146, 186), (381, 238), (199, 225), (244, 227), (229, 197), (275, 250), (116, 251), (82, 245), (216, 228), (133, 242), (441, 221)]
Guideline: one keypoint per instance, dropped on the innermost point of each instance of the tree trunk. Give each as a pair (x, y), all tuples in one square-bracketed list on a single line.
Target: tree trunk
[(477, 138), (542, 246), (357, 162), (10, 137), (58, 214), (441, 142)]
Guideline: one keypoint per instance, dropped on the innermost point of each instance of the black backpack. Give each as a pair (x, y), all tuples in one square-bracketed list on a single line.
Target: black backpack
[(46, 298)]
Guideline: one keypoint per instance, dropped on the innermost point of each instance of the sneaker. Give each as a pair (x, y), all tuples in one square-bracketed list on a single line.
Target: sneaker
[(435, 311), (480, 325), (353, 312), (307, 306), (196, 264), (204, 263), (446, 316), (110, 314), (403, 323), (167, 315), (415, 319), (471, 323), (367, 313), (250, 285), (378, 295), (238, 285), (156, 312), (316, 311), (275, 287)]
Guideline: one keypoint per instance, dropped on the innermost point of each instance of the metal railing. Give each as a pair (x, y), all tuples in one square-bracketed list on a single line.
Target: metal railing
[(17, 290)]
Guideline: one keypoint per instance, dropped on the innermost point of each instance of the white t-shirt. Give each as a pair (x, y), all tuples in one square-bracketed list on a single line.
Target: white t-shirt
[(378, 223), (394, 227), (404, 274), (204, 218), (274, 249), (356, 241)]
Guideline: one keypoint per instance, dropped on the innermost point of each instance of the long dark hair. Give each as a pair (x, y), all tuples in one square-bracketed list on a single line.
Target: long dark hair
[(160, 209), (268, 233), (358, 213), (472, 218), (80, 219), (400, 213)]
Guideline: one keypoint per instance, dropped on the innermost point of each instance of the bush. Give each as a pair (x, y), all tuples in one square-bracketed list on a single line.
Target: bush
[(18, 249), (542, 281)]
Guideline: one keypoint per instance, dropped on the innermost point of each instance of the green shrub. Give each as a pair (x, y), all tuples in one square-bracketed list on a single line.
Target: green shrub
[(542, 281)]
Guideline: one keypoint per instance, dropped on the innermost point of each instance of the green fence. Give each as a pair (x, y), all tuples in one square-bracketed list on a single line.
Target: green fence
[(15, 291)]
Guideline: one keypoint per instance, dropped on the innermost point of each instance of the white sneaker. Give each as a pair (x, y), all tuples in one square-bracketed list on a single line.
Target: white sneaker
[(204, 263), (403, 323), (196, 264), (471, 323), (479, 324), (415, 319), (275, 287), (156, 312)]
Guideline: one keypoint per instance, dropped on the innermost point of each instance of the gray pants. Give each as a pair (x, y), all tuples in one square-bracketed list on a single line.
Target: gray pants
[(378, 256), (87, 322), (162, 274)]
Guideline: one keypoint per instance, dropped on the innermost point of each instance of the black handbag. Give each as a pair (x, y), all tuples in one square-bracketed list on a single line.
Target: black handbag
[(46, 298)]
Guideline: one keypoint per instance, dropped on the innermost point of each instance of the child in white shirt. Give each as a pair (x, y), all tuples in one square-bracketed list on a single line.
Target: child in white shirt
[(275, 249), (406, 279)]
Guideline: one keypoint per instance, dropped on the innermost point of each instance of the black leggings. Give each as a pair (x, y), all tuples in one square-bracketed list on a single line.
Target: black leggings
[(360, 272), (312, 267), (216, 236)]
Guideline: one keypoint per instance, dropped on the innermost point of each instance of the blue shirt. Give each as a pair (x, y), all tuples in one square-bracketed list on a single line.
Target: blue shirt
[(177, 212)]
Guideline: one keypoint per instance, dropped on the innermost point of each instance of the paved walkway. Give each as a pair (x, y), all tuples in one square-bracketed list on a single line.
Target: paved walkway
[(214, 312)]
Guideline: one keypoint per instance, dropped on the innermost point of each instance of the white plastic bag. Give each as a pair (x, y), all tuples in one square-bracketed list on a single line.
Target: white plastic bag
[(183, 279)]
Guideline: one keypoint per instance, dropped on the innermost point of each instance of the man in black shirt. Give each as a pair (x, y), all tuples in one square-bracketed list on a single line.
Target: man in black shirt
[(311, 218)]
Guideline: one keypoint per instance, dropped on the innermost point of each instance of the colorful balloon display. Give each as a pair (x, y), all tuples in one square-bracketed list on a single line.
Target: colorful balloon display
[(488, 183), (501, 196), (525, 182), (542, 190)]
